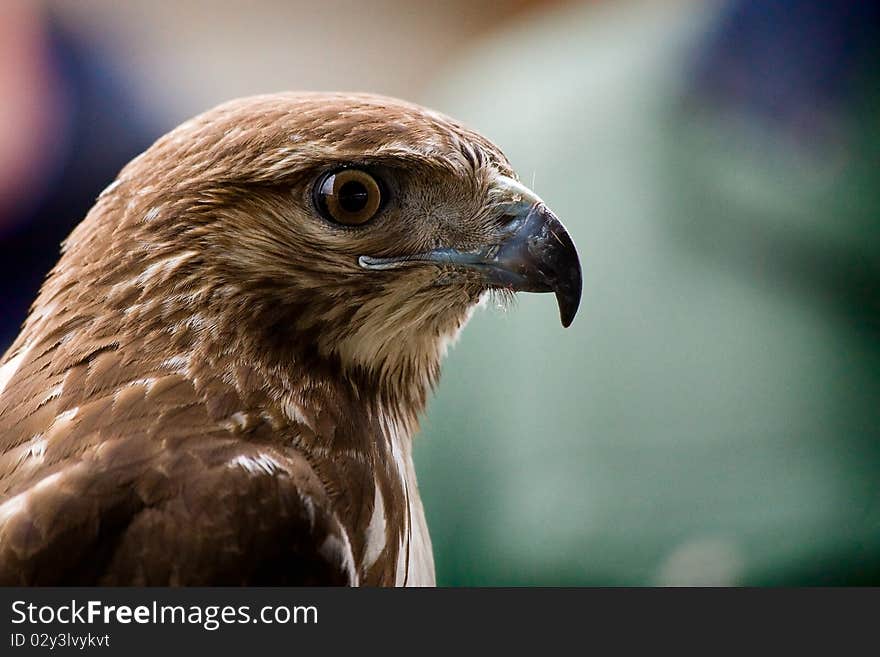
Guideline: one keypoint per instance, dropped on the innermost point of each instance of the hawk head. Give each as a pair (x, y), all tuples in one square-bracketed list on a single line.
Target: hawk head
[(353, 233), (246, 326)]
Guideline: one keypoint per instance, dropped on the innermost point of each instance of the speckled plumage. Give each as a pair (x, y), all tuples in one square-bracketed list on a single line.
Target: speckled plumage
[(209, 389)]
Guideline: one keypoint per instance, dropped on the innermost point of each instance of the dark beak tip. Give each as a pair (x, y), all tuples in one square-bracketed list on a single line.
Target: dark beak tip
[(567, 282), (566, 316), (568, 298)]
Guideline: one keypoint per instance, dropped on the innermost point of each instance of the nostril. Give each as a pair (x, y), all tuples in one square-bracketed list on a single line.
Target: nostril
[(509, 222)]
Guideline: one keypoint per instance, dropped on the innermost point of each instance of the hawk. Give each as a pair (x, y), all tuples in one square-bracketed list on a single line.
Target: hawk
[(219, 381)]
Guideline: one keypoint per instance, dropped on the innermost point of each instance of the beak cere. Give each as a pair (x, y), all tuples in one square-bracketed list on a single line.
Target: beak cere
[(536, 255)]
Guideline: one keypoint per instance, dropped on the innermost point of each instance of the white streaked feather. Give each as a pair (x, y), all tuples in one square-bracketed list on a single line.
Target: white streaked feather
[(334, 549), (376, 539), (8, 370), (415, 565), (260, 464)]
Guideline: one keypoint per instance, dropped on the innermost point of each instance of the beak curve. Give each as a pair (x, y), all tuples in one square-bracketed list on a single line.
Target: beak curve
[(539, 256), (536, 255)]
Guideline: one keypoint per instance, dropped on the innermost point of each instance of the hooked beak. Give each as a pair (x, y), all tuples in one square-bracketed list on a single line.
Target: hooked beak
[(536, 255)]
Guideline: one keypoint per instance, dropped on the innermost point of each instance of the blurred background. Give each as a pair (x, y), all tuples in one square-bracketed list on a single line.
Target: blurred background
[(713, 415)]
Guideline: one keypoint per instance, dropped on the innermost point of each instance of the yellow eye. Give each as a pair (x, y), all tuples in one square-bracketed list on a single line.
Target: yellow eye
[(351, 197)]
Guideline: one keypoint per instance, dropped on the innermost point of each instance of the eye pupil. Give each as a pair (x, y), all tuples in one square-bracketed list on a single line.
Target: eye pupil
[(353, 196)]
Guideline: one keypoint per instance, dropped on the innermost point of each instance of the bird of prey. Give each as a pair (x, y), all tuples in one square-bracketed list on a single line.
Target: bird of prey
[(219, 381)]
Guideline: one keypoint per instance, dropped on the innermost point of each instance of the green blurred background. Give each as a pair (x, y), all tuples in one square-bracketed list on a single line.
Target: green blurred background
[(712, 416)]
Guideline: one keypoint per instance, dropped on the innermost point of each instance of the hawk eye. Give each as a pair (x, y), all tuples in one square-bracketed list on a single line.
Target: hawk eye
[(351, 196)]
